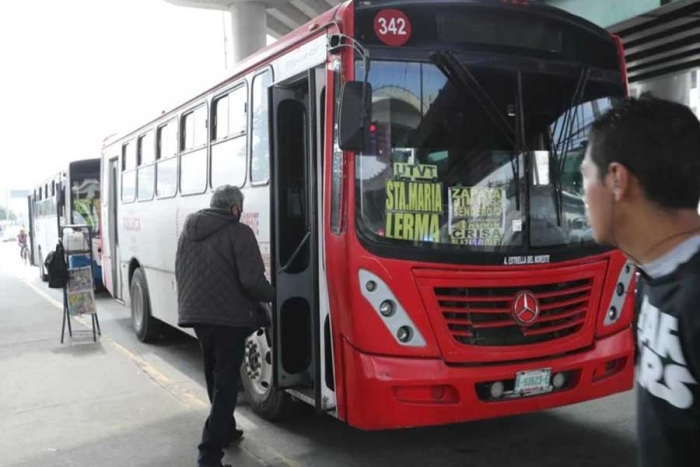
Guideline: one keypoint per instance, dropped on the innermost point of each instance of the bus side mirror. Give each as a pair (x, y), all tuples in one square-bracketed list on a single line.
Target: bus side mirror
[(355, 116)]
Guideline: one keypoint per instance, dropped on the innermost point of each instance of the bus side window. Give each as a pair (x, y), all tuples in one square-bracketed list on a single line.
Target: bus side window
[(194, 129), (193, 159), (228, 151), (166, 182), (146, 169), (128, 172)]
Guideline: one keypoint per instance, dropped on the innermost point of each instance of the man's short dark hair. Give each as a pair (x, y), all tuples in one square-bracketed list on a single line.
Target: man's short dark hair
[(659, 142)]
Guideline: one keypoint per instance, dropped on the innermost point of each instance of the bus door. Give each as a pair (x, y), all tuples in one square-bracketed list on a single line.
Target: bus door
[(111, 256), (295, 235), (31, 233)]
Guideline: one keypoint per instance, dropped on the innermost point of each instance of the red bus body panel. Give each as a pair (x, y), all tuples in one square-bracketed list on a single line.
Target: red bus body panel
[(374, 393), (382, 385)]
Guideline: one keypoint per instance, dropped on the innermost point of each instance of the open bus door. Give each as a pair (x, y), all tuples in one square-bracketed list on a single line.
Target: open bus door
[(296, 329), (110, 258), (31, 212)]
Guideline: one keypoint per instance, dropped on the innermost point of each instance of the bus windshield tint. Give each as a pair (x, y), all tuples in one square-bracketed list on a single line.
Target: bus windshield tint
[(85, 192), (440, 171), (499, 29)]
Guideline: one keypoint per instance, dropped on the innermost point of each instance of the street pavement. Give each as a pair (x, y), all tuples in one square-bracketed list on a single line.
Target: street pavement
[(123, 403), (84, 403)]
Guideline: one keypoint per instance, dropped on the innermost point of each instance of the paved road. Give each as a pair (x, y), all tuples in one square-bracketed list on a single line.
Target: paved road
[(85, 403), (599, 433)]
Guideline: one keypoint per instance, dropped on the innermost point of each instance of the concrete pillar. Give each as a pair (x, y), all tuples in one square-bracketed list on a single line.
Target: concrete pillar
[(248, 21), (249, 28)]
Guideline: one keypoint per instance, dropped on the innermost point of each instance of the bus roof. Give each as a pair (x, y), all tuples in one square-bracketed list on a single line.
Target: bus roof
[(84, 162), (64, 172), (535, 6)]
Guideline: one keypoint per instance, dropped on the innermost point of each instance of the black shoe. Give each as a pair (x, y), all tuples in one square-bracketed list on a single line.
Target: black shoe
[(235, 436)]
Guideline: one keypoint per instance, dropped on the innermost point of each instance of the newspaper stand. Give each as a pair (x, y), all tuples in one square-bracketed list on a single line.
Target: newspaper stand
[(86, 232)]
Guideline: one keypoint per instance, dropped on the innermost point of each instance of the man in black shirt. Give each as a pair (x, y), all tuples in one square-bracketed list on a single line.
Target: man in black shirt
[(642, 187)]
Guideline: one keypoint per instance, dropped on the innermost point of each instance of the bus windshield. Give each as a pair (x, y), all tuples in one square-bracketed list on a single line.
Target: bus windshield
[(85, 194), (492, 167)]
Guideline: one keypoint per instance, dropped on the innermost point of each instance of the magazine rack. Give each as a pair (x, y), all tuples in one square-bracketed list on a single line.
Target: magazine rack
[(78, 293)]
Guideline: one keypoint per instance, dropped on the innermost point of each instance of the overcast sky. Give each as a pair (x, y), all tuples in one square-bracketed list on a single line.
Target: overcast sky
[(72, 72)]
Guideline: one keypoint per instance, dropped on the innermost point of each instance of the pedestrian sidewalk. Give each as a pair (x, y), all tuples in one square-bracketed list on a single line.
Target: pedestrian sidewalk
[(84, 403)]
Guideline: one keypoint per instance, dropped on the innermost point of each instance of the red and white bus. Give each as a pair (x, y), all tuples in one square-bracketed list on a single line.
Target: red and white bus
[(410, 169)]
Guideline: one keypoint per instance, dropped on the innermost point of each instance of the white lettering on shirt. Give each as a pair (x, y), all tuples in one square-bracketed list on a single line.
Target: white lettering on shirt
[(663, 371)]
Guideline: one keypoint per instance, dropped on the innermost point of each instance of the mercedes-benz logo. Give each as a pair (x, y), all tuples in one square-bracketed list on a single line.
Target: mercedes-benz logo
[(526, 308)]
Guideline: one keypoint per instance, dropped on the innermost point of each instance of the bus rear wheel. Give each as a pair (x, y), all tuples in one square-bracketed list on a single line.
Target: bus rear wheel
[(146, 327), (256, 376)]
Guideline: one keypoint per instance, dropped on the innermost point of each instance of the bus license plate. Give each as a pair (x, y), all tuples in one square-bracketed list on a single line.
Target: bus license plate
[(533, 381)]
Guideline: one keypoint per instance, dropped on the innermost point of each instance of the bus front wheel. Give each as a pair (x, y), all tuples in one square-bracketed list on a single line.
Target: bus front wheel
[(147, 328), (256, 376)]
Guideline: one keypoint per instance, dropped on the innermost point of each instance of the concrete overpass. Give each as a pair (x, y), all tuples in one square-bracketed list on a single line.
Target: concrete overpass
[(253, 20)]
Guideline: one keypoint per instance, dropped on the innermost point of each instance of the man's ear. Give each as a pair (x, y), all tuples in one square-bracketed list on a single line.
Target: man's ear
[(618, 180)]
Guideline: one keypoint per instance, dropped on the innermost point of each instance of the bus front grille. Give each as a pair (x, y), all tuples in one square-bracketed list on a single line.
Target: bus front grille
[(484, 316)]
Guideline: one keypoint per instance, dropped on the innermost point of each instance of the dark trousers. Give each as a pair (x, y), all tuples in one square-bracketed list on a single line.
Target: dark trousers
[(222, 349)]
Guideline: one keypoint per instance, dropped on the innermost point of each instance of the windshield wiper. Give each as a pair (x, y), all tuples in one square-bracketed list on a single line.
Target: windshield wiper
[(566, 137), (460, 75)]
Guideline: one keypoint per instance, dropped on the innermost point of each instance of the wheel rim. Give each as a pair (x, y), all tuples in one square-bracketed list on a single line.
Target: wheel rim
[(258, 362), (137, 307)]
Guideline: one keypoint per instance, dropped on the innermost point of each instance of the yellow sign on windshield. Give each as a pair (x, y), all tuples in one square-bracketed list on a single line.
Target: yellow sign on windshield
[(405, 171), (476, 216), (413, 206)]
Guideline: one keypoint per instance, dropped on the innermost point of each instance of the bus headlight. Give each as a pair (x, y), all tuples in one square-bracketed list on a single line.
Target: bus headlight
[(622, 289), (387, 308), (405, 334)]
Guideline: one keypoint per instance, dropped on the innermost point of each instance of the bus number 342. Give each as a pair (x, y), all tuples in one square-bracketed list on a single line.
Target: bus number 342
[(396, 26)]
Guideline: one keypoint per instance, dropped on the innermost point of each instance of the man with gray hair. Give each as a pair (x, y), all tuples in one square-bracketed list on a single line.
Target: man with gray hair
[(220, 283)]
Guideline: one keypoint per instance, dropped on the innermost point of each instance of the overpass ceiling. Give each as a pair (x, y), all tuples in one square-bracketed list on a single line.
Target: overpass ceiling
[(662, 41), (284, 19)]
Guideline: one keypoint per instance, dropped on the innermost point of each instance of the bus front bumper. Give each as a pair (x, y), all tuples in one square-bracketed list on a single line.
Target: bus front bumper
[(390, 392)]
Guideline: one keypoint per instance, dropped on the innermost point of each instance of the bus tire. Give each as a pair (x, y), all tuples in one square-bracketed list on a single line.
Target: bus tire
[(146, 327), (256, 377)]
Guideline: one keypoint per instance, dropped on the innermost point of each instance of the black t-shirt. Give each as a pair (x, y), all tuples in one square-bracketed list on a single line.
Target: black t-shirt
[(668, 372)]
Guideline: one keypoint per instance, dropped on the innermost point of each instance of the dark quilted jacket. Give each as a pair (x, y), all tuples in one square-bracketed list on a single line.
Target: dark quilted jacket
[(219, 271)]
